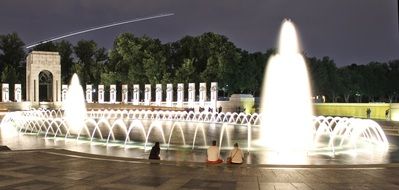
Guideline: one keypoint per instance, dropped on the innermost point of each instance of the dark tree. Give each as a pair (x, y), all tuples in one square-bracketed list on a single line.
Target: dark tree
[(48, 46), (87, 54), (67, 63), (325, 78), (12, 59)]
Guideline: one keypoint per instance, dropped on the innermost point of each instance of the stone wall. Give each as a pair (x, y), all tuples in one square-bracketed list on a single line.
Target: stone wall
[(238, 103)]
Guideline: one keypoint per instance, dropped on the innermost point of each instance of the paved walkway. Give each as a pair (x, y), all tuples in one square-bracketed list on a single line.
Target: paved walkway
[(61, 169)]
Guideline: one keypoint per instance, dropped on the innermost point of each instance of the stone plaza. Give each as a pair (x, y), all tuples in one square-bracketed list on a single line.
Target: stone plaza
[(61, 169)]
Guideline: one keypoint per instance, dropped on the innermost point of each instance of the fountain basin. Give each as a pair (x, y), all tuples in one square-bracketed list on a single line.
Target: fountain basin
[(188, 133)]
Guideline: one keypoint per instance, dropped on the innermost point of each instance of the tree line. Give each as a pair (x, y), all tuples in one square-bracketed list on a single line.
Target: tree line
[(207, 58)]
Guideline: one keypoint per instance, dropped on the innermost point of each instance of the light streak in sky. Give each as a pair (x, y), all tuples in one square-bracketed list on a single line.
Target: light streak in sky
[(99, 28)]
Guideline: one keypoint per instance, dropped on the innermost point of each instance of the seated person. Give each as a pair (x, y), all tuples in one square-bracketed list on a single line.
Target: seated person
[(155, 151), (236, 155), (213, 154)]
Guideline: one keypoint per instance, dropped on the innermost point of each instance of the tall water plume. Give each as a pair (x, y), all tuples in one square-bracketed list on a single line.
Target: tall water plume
[(286, 97), (74, 105)]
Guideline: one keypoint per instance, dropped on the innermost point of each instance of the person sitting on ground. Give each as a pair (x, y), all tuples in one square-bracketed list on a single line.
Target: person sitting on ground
[(213, 154), (155, 151), (236, 156)]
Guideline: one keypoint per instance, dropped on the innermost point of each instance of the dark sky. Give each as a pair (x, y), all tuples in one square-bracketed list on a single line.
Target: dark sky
[(349, 31)]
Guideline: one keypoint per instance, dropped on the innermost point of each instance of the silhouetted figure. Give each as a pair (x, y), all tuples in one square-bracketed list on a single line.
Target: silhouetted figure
[(220, 109), (368, 112), (155, 151), (387, 114)]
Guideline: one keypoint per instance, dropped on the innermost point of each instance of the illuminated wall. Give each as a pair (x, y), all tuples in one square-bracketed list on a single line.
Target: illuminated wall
[(242, 101), (358, 110), (394, 112)]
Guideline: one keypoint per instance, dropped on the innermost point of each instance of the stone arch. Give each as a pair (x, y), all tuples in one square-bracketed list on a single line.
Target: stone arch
[(43, 70), (45, 86)]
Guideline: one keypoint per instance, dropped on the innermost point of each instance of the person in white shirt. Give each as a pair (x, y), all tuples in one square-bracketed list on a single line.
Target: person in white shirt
[(213, 154), (236, 155)]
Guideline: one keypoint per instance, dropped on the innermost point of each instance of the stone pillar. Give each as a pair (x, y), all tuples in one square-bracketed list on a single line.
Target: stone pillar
[(42, 61), (100, 93), (17, 92), (202, 94), (214, 95), (89, 93), (180, 94), (5, 92), (147, 94), (125, 95), (169, 94), (112, 93), (136, 94), (64, 92), (191, 94), (158, 94)]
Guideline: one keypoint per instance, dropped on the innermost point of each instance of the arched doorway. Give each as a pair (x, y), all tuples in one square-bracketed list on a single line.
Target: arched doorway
[(45, 86)]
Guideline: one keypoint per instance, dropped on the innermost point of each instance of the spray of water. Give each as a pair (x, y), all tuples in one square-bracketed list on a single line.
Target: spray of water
[(286, 105), (75, 112)]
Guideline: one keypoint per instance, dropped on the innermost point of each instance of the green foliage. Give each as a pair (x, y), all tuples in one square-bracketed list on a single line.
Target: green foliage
[(206, 58), (246, 79), (393, 81), (12, 58), (66, 53), (48, 46), (91, 61), (108, 78), (9, 75), (212, 58), (374, 82), (126, 58), (325, 77), (186, 73)]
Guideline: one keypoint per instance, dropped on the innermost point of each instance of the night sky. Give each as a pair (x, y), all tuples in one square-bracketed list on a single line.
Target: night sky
[(349, 31)]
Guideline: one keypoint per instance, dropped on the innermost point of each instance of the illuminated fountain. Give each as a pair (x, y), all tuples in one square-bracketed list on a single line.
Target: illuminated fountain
[(286, 105), (286, 123), (75, 106)]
